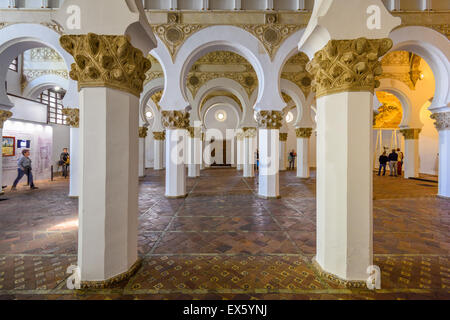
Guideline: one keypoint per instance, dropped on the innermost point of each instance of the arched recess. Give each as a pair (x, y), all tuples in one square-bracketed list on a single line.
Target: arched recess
[(36, 86), (221, 101), (17, 38), (220, 84), (303, 104), (149, 90), (435, 49)]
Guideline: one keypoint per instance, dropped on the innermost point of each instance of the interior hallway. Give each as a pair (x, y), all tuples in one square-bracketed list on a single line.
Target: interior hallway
[(222, 241)]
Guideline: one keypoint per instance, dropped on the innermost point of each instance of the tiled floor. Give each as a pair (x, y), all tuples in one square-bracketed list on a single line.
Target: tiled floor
[(222, 242)]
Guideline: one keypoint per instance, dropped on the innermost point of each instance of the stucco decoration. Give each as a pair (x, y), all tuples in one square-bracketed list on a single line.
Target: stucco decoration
[(283, 137), (159, 136), (442, 120), (106, 61), (295, 71), (175, 120), (304, 133), (403, 66), (269, 119), (4, 115), (195, 132), (348, 65), (249, 132), (143, 132), (72, 117), (411, 134)]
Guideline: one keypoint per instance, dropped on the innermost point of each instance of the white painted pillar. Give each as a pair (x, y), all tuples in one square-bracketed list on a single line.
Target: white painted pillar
[(237, 5), (176, 124), (4, 116), (75, 177), (158, 138), (303, 139), (142, 135), (301, 5), (283, 151), (269, 162), (202, 152), (194, 152), (411, 160), (108, 207), (249, 159), (240, 151), (443, 126)]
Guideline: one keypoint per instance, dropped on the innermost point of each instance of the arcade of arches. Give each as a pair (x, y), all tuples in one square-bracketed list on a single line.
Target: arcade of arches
[(225, 154)]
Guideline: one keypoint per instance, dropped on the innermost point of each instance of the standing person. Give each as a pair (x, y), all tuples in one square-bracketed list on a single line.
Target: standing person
[(383, 161), (393, 159), (257, 160), (24, 168), (292, 156), (400, 162), (64, 161)]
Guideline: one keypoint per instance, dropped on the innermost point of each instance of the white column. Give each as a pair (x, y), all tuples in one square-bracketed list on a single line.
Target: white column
[(108, 207), (249, 158), (194, 152), (142, 135), (300, 4), (237, 5), (4, 115), (269, 162), (158, 138), (202, 152), (283, 151), (175, 167), (303, 138), (240, 151), (75, 177), (443, 126), (411, 160)]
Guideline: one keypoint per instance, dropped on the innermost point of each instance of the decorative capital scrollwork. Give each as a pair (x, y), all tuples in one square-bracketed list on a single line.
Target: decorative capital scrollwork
[(269, 119), (143, 132), (442, 120), (4, 115), (283, 137), (249, 132), (304, 133), (72, 117), (106, 61), (161, 136), (410, 134), (175, 119), (348, 65)]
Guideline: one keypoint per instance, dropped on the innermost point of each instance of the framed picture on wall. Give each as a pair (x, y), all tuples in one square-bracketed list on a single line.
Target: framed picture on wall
[(8, 147)]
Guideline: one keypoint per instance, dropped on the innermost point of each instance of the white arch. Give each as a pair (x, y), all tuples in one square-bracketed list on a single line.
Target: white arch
[(224, 84), (221, 101), (36, 86), (303, 104), (150, 89), (20, 37), (435, 49)]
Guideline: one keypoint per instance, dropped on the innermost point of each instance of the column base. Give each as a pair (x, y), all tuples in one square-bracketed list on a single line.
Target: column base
[(177, 197), (269, 198), (346, 283), (114, 280), (71, 197)]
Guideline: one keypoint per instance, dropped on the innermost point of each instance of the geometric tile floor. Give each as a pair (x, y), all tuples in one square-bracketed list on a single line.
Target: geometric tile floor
[(222, 242)]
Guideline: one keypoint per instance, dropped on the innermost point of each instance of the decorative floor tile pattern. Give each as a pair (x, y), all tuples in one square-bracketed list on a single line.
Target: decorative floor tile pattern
[(223, 242)]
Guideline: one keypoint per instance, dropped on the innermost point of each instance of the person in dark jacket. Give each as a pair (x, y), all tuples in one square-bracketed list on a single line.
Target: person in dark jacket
[(383, 161), (64, 161), (24, 168), (393, 159)]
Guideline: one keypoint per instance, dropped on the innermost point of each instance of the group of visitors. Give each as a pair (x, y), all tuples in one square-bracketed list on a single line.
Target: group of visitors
[(395, 161), (24, 168)]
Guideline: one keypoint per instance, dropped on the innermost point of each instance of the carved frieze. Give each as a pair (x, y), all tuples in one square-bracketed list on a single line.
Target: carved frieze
[(175, 119), (348, 65), (269, 119), (106, 61)]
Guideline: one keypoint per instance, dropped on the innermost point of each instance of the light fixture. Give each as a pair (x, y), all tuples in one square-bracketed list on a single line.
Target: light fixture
[(289, 117), (221, 116), (57, 88), (149, 114)]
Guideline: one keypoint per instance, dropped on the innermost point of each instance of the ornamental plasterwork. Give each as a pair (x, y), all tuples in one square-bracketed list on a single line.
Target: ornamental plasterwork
[(410, 134), (106, 61), (408, 62), (219, 93), (269, 119), (295, 71), (195, 132), (390, 113), (45, 55), (159, 135), (4, 115), (442, 120), (304, 133), (30, 75), (143, 132), (173, 120), (249, 132), (348, 65), (247, 80), (283, 137), (156, 97), (72, 117)]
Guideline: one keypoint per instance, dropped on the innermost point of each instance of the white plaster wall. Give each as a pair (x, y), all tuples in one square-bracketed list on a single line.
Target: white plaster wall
[(61, 140), (13, 80), (428, 144)]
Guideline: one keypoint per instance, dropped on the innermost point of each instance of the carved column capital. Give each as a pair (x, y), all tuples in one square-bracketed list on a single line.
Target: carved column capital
[(4, 115), (161, 136), (304, 133), (240, 135), (283, 137), (143, 132), (175, 119), (410, 134), (249, 132), (195, 132), (106, 61), (442, 120), (72, 117), (269, 119), (348, 65)]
